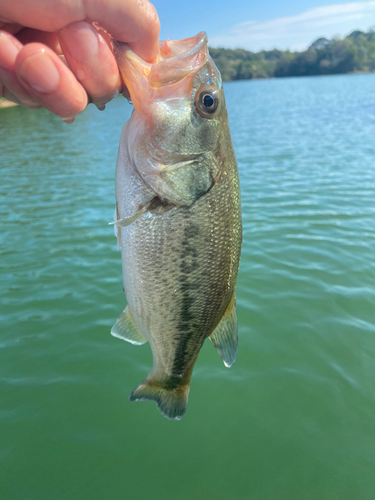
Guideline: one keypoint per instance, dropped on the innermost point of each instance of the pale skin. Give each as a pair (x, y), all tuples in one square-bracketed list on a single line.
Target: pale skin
[(57, 53)]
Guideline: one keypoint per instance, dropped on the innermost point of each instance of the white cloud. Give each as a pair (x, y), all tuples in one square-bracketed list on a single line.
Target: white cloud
[(297, 32)]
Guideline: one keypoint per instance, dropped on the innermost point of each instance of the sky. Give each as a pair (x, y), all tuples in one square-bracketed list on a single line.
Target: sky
[(267, 24)]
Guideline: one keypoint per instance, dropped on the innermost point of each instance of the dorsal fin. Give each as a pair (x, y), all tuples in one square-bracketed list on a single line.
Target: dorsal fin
[(126, 329), (225, 338)]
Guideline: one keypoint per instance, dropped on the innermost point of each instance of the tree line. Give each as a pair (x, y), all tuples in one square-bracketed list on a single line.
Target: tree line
[(354, 53)]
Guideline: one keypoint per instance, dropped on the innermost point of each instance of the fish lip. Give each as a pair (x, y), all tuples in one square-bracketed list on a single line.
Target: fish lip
[(168, 70), (201, 40)]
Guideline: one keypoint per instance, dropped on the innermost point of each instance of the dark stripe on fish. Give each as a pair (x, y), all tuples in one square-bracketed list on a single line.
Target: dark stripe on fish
[(188, 288)]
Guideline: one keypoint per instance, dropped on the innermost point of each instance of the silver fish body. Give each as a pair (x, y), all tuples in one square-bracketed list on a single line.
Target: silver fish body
[(179, 217)]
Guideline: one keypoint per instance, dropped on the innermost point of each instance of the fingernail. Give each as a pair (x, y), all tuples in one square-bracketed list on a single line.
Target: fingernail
[(40, 73), (101, 107), (69, 120), (81, 40), (8, 51)]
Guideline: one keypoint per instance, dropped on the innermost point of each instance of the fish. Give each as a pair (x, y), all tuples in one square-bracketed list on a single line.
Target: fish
[(178, 216)]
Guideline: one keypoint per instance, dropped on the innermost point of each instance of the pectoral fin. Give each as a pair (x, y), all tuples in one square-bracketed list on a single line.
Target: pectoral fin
[(224, 337), (126, 329), (117, 229), (153, 204), (129, 220)]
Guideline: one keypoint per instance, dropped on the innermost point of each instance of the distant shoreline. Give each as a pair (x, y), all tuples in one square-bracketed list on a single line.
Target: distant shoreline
[(4, 103), (353, 54), (301, 76)]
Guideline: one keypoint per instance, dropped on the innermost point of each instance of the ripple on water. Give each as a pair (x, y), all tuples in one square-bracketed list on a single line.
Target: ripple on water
[(297, 407)]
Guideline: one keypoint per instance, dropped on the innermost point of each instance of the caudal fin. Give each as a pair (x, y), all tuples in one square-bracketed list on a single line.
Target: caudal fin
[(171, 402)]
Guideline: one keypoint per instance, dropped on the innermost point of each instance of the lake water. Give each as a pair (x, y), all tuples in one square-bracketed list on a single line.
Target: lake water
[(294, 418)]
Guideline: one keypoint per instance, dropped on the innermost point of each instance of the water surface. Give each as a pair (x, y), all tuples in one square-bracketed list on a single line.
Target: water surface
[(293, 419)]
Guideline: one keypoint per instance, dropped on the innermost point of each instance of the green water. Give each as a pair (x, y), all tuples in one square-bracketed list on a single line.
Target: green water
[(294, 418)]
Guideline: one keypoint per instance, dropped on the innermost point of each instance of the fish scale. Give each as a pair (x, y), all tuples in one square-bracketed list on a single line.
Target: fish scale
[(180, 245), (155, 275)]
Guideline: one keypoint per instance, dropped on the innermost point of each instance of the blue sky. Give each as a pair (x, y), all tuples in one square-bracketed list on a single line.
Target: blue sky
[(267, 24)]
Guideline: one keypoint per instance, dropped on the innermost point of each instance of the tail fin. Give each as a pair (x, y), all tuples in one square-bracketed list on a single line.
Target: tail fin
[(171, 402)]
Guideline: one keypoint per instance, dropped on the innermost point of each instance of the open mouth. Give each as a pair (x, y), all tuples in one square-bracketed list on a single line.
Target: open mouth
[(176, 59)]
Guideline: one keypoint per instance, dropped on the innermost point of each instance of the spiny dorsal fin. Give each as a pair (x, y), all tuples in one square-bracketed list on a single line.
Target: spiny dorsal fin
[(224, 338), (126, 329)]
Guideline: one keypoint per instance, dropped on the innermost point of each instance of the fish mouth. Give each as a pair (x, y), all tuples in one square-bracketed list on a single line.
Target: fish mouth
[(176, 60)]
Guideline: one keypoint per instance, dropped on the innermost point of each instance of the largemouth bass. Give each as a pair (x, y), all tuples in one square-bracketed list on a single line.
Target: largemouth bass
[(178, 217)]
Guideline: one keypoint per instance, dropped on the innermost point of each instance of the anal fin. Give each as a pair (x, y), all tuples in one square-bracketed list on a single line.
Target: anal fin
[(126, 329), (225, 338)]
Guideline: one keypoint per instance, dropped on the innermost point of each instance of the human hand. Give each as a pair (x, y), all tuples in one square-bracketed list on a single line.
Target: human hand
[(36, 36)]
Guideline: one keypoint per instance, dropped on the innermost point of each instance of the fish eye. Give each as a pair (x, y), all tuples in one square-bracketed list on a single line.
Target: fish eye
[(207, 102)]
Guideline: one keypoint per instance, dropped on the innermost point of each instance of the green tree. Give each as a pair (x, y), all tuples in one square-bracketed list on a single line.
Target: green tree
[(356, 52)]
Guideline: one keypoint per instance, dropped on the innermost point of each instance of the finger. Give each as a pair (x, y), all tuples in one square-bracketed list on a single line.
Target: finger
[(29, 35), (91, 60), (108, 38), (4, 90), (9, 50), (133, 21), (10, 27), (9, 96), (50, 81), (14, 87)]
